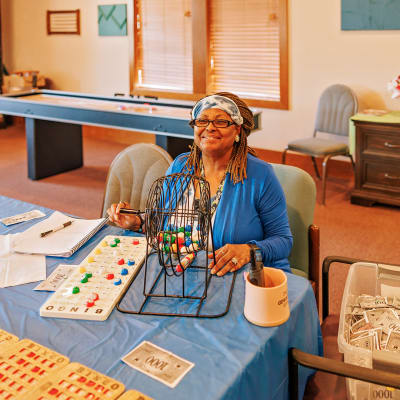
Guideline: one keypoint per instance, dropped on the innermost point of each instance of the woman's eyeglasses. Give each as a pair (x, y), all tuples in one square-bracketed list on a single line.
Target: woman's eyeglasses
[(218, 123)]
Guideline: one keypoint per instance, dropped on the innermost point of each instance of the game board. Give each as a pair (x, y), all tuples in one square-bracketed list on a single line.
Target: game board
[(30, 371), (25, 364), (7, 338), (134, 395), (76, 382), (96, 285)]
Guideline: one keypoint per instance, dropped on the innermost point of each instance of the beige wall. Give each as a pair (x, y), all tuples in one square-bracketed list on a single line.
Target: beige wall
[(87, 63), (320, 54)]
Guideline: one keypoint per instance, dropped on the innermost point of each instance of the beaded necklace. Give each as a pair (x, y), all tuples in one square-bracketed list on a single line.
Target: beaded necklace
[(218, 194)]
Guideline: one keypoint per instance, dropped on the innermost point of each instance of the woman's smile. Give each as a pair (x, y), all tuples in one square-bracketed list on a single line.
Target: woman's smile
[(209, 137)]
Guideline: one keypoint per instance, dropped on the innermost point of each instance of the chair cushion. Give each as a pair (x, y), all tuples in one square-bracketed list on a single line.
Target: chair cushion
[(299, 272), (335, 106), (318, 146), (132, 173), (300, 193)]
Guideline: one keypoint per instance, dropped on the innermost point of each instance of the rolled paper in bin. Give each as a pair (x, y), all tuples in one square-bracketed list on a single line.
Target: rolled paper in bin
[(267, 306), (186, 261)]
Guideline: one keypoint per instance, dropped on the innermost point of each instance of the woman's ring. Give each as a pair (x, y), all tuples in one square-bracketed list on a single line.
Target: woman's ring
[(234, 261)]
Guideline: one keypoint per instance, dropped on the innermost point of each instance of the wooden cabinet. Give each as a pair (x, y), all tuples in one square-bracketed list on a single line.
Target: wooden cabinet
[(377, 175)]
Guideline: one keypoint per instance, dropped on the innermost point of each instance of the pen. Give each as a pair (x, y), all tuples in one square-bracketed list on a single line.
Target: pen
[(129, 211), (64, 225)]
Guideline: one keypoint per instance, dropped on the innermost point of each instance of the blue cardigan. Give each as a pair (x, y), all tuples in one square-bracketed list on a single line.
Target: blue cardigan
[(252, 212)]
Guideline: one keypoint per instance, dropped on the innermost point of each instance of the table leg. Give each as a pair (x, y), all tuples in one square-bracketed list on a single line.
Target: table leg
[(174, 145), (53, 147)]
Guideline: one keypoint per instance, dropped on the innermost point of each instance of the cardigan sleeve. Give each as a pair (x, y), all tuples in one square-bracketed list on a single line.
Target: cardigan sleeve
[(278, 239)]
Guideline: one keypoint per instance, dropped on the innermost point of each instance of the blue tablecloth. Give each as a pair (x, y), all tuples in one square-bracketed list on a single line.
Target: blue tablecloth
[(233, 358)]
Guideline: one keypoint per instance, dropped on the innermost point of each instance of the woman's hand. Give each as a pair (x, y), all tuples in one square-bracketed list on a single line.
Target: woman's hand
[(125, 221), (229, 258)]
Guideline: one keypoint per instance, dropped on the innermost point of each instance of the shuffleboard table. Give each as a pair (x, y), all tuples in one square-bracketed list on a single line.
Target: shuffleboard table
[(54, 119)]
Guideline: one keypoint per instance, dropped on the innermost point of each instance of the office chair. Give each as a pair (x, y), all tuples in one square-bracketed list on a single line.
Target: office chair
[(300, 192), (330, 324), (335, 107), (131, 174)]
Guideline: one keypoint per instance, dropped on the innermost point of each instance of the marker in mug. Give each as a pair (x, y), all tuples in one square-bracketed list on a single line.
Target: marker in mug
[(58, 228)]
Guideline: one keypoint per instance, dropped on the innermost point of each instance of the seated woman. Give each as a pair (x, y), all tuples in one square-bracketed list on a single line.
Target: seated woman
[(247, 202)]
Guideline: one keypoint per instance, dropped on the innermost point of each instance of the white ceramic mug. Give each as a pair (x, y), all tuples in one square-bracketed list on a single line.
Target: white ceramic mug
[(267, 306)]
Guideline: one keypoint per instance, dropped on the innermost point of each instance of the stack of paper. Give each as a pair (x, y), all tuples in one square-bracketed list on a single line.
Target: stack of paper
[(60, 243), (17, 269)]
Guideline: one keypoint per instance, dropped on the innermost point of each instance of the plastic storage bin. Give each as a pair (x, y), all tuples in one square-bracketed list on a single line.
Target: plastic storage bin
[(362, 279)]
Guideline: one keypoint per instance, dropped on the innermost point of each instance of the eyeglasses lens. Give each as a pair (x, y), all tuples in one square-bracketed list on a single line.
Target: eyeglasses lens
[(218, 123)]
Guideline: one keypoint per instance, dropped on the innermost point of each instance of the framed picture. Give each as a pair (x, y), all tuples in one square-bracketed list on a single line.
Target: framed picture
[(112, 20), (370, 15), (63, 22)]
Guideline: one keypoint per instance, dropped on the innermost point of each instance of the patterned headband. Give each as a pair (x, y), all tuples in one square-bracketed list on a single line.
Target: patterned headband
[(221, 102)]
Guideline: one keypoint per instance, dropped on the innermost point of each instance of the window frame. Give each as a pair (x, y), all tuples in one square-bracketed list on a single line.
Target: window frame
[(201, 58)]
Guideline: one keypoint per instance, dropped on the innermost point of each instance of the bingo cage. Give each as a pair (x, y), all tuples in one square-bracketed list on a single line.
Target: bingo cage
[(178, 226)]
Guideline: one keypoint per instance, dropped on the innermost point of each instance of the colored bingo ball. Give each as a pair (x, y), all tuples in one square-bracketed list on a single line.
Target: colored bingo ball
[(179, 268), (167, 237), (93, 297)]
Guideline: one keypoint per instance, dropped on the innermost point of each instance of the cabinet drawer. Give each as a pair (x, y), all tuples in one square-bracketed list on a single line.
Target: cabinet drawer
[(381, 142), (381, 176)]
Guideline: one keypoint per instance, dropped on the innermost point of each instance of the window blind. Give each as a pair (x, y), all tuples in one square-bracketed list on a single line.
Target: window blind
[(164, 45), (245, 48)]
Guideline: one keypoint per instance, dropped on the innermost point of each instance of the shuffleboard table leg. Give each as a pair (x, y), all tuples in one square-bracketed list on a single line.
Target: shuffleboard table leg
[(174, 145), (53, 147)]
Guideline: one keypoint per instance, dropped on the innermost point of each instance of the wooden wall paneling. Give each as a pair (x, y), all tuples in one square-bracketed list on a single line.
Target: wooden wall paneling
[(201, 62)]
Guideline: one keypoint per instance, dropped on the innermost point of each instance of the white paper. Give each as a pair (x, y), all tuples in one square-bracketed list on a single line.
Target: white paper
[(56, 278), (390, 291), (158, 363), (61, 243), (27, 216), (18, 269)]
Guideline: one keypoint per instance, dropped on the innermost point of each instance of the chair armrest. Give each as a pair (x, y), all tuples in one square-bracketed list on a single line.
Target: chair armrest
[(314, 272), (298, 357), (314, 250)]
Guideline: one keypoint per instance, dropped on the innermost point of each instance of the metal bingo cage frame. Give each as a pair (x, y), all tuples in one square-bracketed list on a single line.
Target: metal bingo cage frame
[(178, 226)]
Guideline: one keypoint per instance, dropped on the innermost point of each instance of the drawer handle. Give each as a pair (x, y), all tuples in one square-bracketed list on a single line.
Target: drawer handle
[(387, 176), (392, 146)]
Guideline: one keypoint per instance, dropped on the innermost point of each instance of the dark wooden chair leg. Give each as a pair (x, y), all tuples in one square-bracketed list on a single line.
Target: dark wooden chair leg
[(315, 167), (284, 156)]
